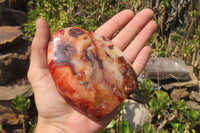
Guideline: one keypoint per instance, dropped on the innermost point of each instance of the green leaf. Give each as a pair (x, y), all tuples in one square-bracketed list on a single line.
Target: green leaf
[(144, 90), (180, 104), (111, 124), (122, 105), (193, 115), (193, 13), (155, 106), (32, 124), (137, 4), (165, 3), (163, 98), (148, 128), (21, 104), (162, 131), (178, 126), (124, 127)]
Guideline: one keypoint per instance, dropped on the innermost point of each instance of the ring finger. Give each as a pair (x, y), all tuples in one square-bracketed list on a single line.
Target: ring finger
[(128, 33)]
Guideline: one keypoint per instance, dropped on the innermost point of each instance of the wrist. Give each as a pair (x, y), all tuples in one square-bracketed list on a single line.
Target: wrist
[(70, 125), (48, 127)]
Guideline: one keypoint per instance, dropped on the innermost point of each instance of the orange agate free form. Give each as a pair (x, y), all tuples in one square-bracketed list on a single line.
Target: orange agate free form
[(89, 71)]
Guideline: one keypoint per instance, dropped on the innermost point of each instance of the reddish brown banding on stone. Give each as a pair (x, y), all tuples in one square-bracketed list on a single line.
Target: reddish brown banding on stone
[(99, 61), (53, 65), (62, 31)]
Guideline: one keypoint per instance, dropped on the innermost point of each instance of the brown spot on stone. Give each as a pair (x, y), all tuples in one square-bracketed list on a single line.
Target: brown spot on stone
[(110, 47), (76, 32), (63, 52)]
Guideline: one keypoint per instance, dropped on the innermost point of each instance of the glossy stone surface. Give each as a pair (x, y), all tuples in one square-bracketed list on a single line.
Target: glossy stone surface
[(89, 71)]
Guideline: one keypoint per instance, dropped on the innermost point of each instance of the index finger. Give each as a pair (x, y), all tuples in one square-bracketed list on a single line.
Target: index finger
[(115, 23)]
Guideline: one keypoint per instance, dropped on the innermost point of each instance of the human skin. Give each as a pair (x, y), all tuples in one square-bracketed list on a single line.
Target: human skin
[(54, 113)]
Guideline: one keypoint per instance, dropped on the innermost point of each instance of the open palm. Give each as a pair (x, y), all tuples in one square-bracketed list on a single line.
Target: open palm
[(54, 113)]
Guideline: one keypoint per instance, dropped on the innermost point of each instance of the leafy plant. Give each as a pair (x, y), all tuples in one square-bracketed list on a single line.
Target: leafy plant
[(124, 127), (167, 115), (174, 114), (148, 128), (32, 124), (193, 117), (144, 90), (117, 125), (165, 3), (193, 13), (159, 46), (160, 102), (121, 127), (21, 104), (136, 5), (64, 13)]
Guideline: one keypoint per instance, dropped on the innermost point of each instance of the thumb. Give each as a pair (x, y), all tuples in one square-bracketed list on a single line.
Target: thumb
[(38, 61)]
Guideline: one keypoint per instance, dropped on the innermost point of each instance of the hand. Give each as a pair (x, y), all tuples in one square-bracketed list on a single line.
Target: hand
[(54, 113)]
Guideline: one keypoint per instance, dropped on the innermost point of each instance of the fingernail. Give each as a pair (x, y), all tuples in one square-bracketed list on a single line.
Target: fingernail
[(37, 23)]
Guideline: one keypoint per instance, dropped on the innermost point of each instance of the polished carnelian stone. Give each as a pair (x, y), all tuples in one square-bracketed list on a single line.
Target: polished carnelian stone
[(89, 71)]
